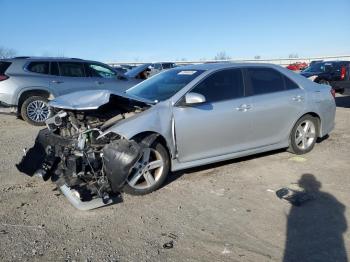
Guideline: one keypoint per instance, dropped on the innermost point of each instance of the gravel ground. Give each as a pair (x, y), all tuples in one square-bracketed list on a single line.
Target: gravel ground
[(223, 212)]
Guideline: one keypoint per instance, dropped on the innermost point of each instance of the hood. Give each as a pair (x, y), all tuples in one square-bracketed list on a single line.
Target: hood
[(137, 70), (89, 99), (308, 74)]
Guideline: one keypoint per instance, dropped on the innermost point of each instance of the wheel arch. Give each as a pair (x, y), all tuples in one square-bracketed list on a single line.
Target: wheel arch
[(318, 121), (156, 137), (31, 92)]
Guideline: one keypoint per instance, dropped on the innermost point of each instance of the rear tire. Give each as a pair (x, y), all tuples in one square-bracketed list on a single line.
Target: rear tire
[(303, 135), (35, 110), (144, 178)]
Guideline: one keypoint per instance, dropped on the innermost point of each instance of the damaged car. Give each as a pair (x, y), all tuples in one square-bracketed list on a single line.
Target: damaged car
[(100, 143)]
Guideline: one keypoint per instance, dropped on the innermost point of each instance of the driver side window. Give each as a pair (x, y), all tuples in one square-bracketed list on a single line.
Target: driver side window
[(223, 85)]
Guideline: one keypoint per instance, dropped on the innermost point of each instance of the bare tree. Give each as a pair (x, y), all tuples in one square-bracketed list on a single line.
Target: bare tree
[(222, 56), (293, 55), (257, 57), (7, 52)]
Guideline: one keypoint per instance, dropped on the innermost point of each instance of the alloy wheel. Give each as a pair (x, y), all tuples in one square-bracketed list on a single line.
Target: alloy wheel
[(305, 134), (147, 171), (38, 111)]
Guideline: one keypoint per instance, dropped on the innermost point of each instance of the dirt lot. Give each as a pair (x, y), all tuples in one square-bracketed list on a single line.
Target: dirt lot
[(223, 212)]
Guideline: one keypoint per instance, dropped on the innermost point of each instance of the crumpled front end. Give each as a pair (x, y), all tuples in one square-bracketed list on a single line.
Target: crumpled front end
[(90, 170)]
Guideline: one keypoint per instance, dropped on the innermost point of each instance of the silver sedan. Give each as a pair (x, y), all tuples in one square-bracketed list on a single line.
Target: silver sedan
[(182, 118)]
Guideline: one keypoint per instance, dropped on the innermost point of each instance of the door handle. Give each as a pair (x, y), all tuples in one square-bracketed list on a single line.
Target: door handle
[(297, 98), (243, 108), (99, 82), (56, 82)]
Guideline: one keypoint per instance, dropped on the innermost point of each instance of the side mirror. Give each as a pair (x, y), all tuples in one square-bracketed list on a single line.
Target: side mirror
[(194, 98)]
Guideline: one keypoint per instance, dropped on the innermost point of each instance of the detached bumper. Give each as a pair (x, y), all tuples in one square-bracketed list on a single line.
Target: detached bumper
[(75, 200), (56, 158)]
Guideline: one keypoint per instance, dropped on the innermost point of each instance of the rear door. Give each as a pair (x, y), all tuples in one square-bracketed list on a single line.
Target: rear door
[(68, 77), (219, 126), (39, 74), (277, 102)]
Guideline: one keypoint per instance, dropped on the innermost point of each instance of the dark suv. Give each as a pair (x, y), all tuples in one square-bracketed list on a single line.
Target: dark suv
[(27, 83), (333, 73)]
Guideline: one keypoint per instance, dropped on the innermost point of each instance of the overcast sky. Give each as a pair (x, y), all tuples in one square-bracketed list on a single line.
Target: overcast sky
[(154, 30)]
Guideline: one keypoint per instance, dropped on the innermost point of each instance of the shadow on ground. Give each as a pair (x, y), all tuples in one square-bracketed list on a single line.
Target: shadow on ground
[(315, 229)]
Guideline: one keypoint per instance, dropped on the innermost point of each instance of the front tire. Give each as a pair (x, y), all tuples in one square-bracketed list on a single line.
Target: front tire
[(35, 110), (324, 82), (149, 172), (303, 136)]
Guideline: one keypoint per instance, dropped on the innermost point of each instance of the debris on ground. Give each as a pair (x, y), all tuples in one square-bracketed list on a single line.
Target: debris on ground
[(168, 245), (296, 198), (298, 159)]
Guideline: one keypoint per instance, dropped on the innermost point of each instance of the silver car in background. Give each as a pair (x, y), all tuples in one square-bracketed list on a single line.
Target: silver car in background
[(27, 83), (181, 118)]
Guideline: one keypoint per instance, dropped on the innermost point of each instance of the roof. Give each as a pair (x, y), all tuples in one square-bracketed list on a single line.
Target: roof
[(215, 66), (41, 58)]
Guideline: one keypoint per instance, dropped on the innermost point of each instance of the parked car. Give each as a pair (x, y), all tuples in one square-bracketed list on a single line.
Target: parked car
[(101, 143), (298, 66), (27, 83), (120, 70), (333, 73), (147, 70), (141, 72), (159, 67), (314, 62)]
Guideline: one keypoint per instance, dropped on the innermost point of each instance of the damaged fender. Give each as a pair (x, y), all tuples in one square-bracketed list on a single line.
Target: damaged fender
[(119, 157), (157, 120)]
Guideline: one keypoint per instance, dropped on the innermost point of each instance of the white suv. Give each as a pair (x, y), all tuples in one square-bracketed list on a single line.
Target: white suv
[(27, 83)]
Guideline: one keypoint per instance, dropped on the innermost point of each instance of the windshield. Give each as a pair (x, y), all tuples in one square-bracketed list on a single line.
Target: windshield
[(164, 85), (317, 67)]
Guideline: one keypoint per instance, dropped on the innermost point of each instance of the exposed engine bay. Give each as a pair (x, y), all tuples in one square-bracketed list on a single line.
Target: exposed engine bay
[(88, 169)]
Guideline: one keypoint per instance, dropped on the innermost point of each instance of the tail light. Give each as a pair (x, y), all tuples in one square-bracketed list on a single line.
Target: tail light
[(333, 92), (342, 73), (3, 77)]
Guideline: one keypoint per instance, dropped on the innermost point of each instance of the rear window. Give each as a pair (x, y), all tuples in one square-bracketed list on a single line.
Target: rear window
[(39, 67), (3, 67), (290, 84)]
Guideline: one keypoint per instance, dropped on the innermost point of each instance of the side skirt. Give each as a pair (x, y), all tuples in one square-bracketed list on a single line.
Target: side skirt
[(177, 165)]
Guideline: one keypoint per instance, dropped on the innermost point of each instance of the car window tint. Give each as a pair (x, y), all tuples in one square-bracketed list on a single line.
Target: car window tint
[(72, 69), (54, 69), (167, 65), (39, 67), (222, 85), (265, 80), (157, 66), (4, 66), (95, 70), (290, 84)]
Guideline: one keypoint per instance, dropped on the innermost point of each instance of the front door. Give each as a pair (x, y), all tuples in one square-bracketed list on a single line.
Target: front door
[(219, 126)]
